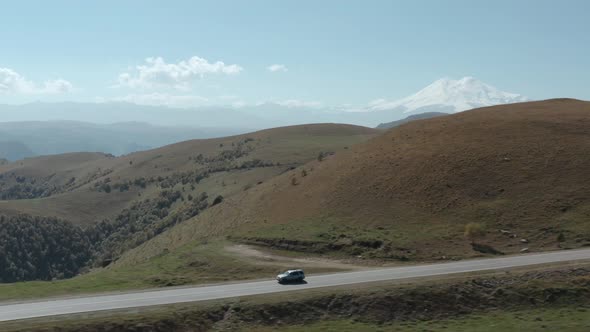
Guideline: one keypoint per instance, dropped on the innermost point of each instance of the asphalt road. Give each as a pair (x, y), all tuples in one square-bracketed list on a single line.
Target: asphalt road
[(194, 294)]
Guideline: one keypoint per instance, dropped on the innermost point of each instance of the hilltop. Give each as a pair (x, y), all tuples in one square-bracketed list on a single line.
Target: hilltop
[(519, 171), (421, 116)]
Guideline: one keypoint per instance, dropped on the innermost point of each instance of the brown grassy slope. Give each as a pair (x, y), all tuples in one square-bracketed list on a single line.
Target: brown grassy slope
[(81, 203), (408, 193)]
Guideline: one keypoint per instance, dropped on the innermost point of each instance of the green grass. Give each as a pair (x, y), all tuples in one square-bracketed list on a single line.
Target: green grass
[(568, 319), (309, 310), (322, 227), (193, 264), (344, 230)]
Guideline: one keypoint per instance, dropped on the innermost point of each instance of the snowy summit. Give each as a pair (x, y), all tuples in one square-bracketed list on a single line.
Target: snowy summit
[(450, 96)]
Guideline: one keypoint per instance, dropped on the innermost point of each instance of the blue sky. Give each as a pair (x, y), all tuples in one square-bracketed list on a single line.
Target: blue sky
[(335, 52)]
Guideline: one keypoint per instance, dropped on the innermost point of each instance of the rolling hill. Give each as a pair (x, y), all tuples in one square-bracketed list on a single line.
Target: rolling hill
[(519, 171), (112, 204), (66, 185)]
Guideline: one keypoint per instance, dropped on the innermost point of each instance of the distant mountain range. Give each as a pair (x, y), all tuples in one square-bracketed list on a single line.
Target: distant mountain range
[(11, 150), (25, 139), (444, 95), (120, 127)]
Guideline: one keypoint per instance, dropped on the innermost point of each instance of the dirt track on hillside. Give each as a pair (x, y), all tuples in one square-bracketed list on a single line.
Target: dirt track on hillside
[(260, 257)]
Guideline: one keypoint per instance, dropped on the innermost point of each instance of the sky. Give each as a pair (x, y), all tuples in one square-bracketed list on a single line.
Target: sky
[(306, 53)]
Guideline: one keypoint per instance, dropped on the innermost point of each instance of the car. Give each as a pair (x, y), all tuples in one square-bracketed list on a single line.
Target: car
[(291, 276)]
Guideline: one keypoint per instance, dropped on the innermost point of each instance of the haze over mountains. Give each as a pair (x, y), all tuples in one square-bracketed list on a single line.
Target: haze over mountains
[(444, 95), (121, 127), (30, 138)]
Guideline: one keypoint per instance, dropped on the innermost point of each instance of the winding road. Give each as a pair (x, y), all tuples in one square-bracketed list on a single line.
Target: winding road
[(65, 306)]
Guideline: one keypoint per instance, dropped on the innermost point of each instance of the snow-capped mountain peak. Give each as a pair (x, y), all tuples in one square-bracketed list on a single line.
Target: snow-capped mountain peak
[(448, 95)]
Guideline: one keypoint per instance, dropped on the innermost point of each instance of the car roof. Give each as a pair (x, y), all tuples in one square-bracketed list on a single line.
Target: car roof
[(296, 270)]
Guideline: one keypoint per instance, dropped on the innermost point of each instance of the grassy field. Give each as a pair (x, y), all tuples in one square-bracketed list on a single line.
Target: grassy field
[(554, 298), (566, 319), (193, 264)]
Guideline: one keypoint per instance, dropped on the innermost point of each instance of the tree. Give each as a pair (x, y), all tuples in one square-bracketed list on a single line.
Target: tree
[(321, 156), (217, 200), (474, 230)]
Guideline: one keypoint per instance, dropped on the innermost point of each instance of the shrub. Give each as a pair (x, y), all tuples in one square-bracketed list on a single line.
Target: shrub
[(474, 230), (217, 200)]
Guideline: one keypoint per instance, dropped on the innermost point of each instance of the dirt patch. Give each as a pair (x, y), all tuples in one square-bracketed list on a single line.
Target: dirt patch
[(260, 257)]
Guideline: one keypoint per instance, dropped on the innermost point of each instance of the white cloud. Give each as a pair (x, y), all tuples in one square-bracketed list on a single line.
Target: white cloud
[(277, 68), (157, 73), (239, 104), (382, 104), (13, 82), (295, 103), (162, 99), (57, 86)]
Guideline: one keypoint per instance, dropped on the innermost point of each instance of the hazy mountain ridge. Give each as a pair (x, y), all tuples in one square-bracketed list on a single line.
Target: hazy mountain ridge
[(11, 150), (55, 137), (444, 95), (53, 128)]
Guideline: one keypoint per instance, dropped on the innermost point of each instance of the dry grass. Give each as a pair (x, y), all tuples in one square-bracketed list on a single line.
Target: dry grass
[(521, 168)]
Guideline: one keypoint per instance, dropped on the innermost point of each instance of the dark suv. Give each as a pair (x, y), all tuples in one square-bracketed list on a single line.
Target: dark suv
[(291, 276)]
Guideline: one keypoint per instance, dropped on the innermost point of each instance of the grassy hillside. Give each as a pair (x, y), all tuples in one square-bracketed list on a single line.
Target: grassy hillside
[(115, 204), (73, 186), (519, 172), (543, 299)]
